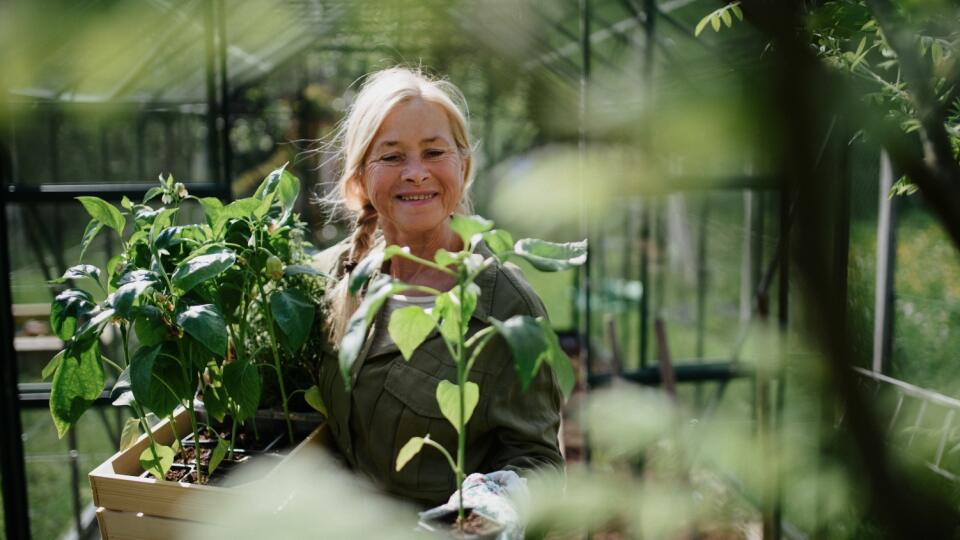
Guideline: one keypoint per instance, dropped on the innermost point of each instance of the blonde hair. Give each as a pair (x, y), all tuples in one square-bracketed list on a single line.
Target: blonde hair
[(380, 92)]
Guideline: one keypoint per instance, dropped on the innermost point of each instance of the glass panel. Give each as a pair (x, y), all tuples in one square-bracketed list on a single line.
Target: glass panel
[(927, 306), (50, 485), (44, 240)]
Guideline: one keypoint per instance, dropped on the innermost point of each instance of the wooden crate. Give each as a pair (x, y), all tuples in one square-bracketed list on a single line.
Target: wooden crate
[(135, 507)]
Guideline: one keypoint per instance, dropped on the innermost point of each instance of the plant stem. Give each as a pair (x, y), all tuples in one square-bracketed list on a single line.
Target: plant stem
[(276, 359), (461, 389), (233, 436), (196, 440)]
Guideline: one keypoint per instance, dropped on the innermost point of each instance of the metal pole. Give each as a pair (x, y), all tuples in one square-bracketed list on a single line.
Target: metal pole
[(585, 324), (12, 464), (213, 147), (224, 125), (701, 291), (645, 282), (75, 481), (886, 264)]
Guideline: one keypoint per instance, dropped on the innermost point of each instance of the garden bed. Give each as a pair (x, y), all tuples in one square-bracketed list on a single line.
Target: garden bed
[(132, 504)]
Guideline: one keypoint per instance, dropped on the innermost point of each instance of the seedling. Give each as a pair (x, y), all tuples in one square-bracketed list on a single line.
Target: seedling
[(531, 340)]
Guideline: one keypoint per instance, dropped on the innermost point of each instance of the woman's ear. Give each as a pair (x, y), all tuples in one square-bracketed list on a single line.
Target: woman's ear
[(355, 193)]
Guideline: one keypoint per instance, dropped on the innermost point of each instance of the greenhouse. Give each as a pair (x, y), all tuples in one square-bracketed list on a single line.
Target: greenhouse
[(479, 269)]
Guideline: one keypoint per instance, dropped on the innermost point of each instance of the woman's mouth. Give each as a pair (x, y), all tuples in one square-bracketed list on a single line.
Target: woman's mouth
[(417, 197)]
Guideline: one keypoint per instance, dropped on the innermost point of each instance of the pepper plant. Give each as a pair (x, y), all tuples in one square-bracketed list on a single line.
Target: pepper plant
[(532, 341), (200, 308)]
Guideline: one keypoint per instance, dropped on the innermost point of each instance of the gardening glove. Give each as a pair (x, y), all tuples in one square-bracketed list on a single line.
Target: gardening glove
[(494, 495)]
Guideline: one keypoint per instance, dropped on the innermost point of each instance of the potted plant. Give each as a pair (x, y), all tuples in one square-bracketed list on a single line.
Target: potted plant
[(217, 310), (531, 340)]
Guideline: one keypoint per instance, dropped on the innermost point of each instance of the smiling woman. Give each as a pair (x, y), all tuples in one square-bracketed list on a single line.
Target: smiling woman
[(407, 169)]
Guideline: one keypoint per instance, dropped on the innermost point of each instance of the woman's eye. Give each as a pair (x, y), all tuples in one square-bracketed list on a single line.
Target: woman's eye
[(435, 153), (390, 158)]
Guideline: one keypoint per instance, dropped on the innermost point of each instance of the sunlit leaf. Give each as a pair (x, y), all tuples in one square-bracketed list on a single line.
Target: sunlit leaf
[(66, 309), (158, 464), (88, 235), (79, 271), (408, 327), (525, 339), (103, 212), (469, 226), (192, 272), (499, 241), (314, 399), (409, 450), (76, 384), (130, 433), (448, 397), (551, 257)]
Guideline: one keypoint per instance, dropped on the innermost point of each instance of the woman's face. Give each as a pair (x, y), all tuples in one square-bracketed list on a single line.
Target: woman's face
[(413, 171)]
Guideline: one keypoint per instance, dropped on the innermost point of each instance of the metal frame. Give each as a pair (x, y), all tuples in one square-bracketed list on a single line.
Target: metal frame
[(16, 397)]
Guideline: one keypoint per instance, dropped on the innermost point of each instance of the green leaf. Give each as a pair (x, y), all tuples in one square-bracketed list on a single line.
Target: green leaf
[(52, 366), (215, 404), (364, 270), (715, 22), (499, 241), (130, 433), (151, 193), (76, 384), (157, 381), (212, 210), (270, 183), (149, 326), (93, 228), (409, 450), (125, 399), (192, 272), (90, 331), (126, 203), (408, 327), (701, 25), (551, 257), (293, 313), (469, 226), (315, 400), (735, 7), (558, 360), (359, 323), (79, 271), (241, 380), (303, 269), (526, 342), (205, 324), (219, 452), (126, 294), (448, 397), (158, 469), (122, 384), (727, 18), (444, 258), (66, 309), (103, 212)]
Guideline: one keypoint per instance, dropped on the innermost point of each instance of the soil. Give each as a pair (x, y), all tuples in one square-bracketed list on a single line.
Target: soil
[(475, 524), (180, 473)]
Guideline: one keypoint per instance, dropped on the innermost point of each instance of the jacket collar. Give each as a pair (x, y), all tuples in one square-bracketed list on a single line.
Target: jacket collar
[(485, 281)]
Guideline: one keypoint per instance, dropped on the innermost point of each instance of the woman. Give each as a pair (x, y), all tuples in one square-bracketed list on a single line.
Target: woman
[(407, 168)]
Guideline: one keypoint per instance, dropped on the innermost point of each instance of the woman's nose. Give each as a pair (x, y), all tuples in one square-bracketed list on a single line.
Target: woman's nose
[(415, 171)]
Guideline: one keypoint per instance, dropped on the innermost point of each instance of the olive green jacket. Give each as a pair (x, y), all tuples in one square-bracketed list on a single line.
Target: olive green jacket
[(393, 399)]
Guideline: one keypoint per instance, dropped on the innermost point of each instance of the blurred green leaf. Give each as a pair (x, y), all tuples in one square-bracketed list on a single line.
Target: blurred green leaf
[(130, 433), (293, 313), (159, 465), (243, 384), (525, 338), (88, 235), (469, 226), (103, 212), (552, 257), (314, 399)]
